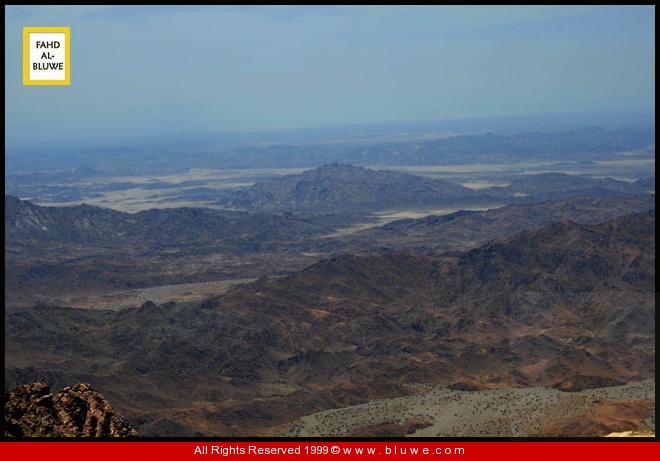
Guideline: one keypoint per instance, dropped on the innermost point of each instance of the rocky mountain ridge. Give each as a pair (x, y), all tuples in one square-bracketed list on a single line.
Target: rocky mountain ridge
[(347, 187), (568, 306), (96, 226), (342, 186), (186, 245), (339, 189)]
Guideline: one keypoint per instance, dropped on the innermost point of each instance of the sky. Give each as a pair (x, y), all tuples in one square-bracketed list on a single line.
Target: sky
[(151, 70)]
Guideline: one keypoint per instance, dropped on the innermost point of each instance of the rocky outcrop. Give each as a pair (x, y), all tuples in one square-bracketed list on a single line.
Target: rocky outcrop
[(29, 411), (76, 411)]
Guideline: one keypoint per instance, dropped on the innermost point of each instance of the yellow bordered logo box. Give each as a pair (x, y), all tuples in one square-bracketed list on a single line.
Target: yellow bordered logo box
[(46, 56)]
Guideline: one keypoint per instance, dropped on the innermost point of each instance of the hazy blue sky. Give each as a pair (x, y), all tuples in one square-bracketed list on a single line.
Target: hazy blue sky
[(148, 70)]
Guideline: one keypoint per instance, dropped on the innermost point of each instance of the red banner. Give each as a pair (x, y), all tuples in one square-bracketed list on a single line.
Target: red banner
[(611, 449)]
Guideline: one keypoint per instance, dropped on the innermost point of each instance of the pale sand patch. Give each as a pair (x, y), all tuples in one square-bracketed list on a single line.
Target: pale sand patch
[(388, 216), (395, 215), (505, 412), (631, 434), (478, 185), (640, 161), (470, 168), (160, 294)]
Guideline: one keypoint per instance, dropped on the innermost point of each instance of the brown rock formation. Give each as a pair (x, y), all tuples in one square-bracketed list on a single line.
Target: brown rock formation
[(609, 416), (77, 411)]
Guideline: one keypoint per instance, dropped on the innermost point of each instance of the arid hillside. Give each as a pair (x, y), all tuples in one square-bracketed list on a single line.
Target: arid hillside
[(567, 306)]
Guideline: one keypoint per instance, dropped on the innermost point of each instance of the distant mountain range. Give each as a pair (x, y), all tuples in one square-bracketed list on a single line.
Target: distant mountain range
[(340, 187), (569, 306), (54, 251), (355, 145)]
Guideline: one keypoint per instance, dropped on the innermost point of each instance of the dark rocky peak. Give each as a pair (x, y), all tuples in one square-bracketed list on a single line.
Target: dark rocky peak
[(76, 411)]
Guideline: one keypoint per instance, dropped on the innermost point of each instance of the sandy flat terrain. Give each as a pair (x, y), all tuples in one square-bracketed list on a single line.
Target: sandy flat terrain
[(506, 412), (158, 295)]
